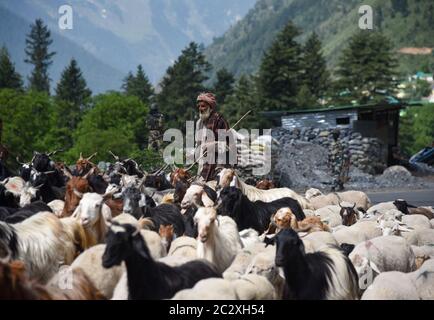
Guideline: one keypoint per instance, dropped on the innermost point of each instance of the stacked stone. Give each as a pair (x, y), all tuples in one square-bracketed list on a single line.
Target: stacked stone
[(365, 153)]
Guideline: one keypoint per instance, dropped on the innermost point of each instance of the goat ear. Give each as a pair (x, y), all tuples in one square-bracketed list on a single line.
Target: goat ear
[(106, 212), (210, 193), (233, 182), (269, 241), (77, 212)]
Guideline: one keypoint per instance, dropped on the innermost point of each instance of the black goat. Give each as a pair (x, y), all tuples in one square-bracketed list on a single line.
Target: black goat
[(4, 172), (136, 204), (19, 215), (406, 208), (256, 215), (97, 183), (190, 226), (323, 275), (349, 215), (147, 278), (7, 199), (158, 182)]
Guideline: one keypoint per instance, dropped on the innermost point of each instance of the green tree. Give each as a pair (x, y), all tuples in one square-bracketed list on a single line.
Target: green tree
[(116, 122), (139, 86), (9, 78), (243, 99), (417, 128), (280, 73), (26, 121), (72, 87), (305, 98), (316, 76), (367, 66), (37, 51), (183, 81), (224, 85)]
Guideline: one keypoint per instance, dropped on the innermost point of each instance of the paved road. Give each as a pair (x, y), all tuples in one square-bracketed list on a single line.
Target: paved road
[(415, 197)]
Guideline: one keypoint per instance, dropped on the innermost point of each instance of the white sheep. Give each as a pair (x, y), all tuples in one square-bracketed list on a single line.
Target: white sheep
[(381, 208), (316, 240), (242, 261), (263, 264), (416, 221), (421, 237), (359, 232), (248, 287), (330, 215), (319, 200), (381, 254), (183, 247), (432, 223), (417, 285)]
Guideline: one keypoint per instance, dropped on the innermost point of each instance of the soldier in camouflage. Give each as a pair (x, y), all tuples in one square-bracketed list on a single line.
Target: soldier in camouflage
[(337, 161), (155, 126)]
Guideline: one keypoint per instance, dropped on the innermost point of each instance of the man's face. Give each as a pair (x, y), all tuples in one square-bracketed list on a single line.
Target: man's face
[(204, 110)]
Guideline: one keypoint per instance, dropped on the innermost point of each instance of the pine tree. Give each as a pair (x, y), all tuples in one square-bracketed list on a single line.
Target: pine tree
[(243, 99), (9, 78), (316, 76), (37, 51), (139, 86), (281, 70), (224, 85), (183, 81), (367, 66), (72, 86)]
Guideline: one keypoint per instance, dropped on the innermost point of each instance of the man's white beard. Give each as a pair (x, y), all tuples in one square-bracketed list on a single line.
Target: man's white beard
[(205, 115)]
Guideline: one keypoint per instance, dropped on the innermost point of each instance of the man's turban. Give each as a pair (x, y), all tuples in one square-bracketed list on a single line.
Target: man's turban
[(208, 98)]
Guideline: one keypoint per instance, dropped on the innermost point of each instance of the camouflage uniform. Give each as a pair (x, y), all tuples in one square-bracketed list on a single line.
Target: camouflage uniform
[(155, 126), (337, 159)]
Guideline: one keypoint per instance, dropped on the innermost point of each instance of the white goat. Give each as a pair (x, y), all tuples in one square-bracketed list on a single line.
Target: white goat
[(359, 232), (218, 240), (93, 214), (39, 241)]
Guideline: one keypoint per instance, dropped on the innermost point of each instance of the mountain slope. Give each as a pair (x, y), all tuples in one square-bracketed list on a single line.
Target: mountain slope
[(126, 33), (242, 47), (99, 76)]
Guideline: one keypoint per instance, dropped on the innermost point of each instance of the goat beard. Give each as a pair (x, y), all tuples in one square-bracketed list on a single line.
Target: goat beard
[(204, 115)]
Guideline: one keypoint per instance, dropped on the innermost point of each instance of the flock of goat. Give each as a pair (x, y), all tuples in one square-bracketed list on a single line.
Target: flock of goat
[(126, 234)]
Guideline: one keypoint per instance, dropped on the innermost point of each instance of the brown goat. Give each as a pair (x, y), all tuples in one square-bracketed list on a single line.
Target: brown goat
[(83, 165), (179, 175), (285, 219), (15, 285), (166, 233), (265, 185), (348, 215), (75, 188)]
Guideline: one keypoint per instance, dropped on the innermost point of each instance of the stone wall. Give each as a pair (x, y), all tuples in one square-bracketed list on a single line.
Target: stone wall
[(367, 154)]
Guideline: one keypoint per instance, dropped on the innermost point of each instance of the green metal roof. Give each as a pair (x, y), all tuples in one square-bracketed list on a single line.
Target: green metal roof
[(369, 106)]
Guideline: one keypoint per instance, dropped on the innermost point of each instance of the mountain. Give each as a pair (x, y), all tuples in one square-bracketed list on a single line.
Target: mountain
[(120, 34), (406, 23)]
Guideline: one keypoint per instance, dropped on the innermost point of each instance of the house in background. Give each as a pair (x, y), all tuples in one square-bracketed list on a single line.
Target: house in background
[(379, 120)]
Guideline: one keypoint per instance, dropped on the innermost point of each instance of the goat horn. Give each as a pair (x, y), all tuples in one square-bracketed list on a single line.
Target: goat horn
[(89, 173), (67, 173), (88, 159), (49, 172), (4, 181), (38, 187), (22, 163), (354, 205), (53, 153), (161, 169), (81, 156), (114, 156), (78, 193)]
